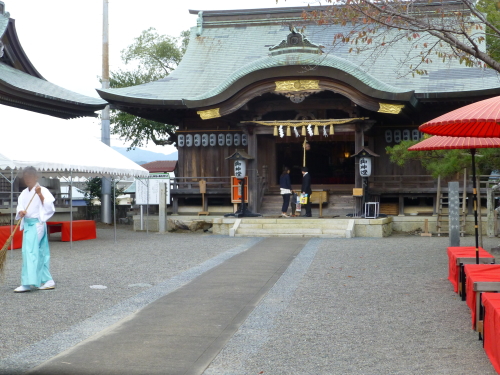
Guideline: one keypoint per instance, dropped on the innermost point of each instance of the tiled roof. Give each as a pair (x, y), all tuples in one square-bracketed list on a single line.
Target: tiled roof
[(225, 52), (23, 87), (160, 166), (40, 87)]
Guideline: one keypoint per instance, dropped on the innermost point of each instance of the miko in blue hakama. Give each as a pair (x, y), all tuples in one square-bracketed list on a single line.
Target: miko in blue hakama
[(36, 253)]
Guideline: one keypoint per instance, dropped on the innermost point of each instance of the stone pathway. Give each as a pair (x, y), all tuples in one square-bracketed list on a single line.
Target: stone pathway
[(182, 332)]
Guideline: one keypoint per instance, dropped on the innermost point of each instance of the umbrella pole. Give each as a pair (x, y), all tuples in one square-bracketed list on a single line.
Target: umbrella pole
[(12, 204), (70, 196), (474, 192), (114, 207)]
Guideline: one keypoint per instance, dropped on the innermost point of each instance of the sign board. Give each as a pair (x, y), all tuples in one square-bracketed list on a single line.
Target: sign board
[(236, 190), (141, 190)]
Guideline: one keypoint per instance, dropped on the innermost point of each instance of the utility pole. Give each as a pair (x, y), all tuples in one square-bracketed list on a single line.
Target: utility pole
[(105, 132)]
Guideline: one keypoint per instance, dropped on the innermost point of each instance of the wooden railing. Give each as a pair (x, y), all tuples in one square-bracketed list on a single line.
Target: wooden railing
[(402, 182), (193, 183)]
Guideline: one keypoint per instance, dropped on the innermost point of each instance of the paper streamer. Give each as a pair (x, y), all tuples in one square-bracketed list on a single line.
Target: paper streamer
[(310, 130), (296, 132), (325, 134), (282, 133)]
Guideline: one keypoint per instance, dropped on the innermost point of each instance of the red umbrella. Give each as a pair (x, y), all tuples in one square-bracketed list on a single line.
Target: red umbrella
[(453, 143), (479, 119)]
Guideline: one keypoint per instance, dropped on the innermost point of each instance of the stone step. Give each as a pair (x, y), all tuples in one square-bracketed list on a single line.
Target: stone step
[(295, 235), (299, 226), (275, 231)]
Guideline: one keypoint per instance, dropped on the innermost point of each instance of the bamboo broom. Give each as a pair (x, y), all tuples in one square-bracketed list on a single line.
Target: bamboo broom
[(3, 252)]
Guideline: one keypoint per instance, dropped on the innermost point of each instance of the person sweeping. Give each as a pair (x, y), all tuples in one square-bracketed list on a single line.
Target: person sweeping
[(35, 206)]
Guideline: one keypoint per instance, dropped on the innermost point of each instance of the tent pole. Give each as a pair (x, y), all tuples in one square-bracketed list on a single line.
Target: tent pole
[(12, 204), (70, 195), (147, 208), (114, 206), (474, 192)]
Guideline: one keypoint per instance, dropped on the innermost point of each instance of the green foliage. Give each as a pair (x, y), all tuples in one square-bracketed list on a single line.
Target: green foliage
[(92, 191), (445, 163), (490, 8), (153, 57)]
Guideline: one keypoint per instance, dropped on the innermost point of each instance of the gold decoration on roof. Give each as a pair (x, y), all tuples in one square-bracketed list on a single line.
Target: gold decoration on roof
[(298, 123), (297, 85), (393, 109), (209, 113)]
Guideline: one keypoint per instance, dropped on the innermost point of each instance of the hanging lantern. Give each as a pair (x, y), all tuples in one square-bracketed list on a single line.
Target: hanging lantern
[(275, 133), (332, 130), (288, 131), (304, 131), (365, 166), (316, 130)]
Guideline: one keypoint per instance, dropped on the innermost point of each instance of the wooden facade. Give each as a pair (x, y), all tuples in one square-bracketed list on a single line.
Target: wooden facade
[(244, 72)]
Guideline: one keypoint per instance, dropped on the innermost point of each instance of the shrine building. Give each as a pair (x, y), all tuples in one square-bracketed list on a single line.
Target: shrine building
[(250, 80)]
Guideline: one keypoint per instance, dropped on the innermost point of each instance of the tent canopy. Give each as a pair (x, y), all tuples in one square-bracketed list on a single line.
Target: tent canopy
[(56, 153)]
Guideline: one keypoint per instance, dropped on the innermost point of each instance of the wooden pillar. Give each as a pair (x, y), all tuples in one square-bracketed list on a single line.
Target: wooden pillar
[(401, 205), (252, 170), (490, 205)]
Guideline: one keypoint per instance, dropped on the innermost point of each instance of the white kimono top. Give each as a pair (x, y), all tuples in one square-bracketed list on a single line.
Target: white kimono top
[(37, 209)]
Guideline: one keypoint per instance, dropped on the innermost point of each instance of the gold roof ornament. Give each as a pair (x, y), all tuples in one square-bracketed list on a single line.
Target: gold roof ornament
[(297, 85), (209, 113), (392, 109)]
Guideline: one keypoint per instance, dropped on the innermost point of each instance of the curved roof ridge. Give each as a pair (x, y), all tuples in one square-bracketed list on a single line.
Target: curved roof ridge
[(300, 59)]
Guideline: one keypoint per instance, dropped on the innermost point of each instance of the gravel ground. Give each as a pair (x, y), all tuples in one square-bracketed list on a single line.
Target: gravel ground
[(362, 306), (136, 263)]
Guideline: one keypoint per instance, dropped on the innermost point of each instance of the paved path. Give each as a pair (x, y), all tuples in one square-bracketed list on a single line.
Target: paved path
[(183, 331)]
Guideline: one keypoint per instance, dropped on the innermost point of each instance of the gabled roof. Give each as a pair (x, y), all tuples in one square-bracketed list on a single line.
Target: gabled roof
[(22, 86), (227, 47), (160, 166)]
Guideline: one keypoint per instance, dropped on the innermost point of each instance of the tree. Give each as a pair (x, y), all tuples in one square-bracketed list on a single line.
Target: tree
[(445, 163), (92, 191), (153, 56), (464, 30)]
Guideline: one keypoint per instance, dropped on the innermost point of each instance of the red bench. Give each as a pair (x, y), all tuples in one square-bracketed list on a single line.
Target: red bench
[(491, 327), (5, 232), (457, 257), (82, 229), (480, 278)]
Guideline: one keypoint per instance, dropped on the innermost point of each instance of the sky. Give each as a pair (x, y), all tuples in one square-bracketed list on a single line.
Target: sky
[(63, 40)]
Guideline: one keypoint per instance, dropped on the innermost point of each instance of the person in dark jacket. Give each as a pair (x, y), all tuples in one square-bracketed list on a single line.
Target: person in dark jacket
[(306, 190), (285, 190)]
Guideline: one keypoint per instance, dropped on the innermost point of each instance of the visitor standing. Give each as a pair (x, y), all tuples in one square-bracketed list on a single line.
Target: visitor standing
[(306, 190), (285, 190)]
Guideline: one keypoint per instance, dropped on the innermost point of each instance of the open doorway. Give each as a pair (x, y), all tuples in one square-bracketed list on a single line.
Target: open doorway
[(329, 162)]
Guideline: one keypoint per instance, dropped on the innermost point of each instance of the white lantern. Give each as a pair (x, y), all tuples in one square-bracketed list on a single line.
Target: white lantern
[(388, 136), (240, 168), (397, 136), (415, 135), (244, 140), (237, 140), (204, 140), (406, 135), (229, 139), (365, 166), (213, 140), (197, 140), (189, 140), (222, 139), (180, 140)]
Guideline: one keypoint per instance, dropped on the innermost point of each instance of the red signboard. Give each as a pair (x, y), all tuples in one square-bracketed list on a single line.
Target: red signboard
[(236, 190)]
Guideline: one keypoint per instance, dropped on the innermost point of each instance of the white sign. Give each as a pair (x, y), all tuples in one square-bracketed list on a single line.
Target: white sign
[(141, 189), (365, 166)]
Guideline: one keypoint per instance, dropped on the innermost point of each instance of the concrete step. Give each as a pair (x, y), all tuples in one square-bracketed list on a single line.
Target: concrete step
[(299, 226), (294, 235), (274, 231)]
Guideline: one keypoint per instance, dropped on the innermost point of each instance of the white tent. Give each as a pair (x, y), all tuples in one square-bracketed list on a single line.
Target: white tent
[(55, 156), (61, 153)]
